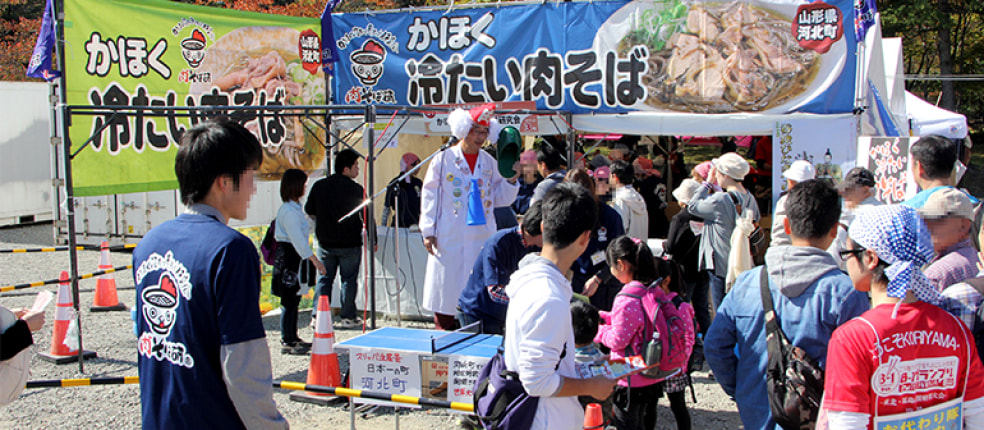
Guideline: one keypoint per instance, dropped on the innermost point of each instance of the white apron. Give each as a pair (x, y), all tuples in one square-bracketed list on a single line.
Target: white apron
[(443, 214)]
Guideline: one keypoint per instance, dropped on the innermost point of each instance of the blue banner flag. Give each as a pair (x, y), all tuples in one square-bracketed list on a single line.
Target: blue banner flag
[(40, 65), (329, 53), (864, 17)]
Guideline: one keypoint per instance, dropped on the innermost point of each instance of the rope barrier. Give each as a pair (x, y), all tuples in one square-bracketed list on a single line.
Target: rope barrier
[(83, 382), (287, 385), (55, 281), (398, 398), (65, 248)]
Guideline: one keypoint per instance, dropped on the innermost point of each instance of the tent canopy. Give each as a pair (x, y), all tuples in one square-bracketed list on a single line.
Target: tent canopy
[(925, 119)]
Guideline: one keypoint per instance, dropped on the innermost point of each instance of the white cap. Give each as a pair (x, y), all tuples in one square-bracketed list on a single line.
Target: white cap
[(686, 190), (799, 171)]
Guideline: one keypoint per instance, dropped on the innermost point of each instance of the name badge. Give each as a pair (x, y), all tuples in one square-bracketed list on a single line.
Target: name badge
[(598, 258)]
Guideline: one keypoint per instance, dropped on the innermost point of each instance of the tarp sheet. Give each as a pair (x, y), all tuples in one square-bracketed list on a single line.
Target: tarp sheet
[(926, 119)]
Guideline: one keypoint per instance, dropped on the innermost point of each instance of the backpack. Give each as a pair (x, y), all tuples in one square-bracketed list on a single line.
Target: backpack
[(501, 402), (668, 330), (268, 247), (978, 328), (793, 379), (756, 237)]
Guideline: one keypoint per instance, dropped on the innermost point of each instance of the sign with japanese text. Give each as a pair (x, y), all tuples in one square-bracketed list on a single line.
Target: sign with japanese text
[(690, 56), (463, 372), (888, 159), (170, 54), (828, 145), (384, 371)]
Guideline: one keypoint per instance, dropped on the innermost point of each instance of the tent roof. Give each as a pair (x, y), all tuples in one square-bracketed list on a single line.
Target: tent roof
[(928, 119)]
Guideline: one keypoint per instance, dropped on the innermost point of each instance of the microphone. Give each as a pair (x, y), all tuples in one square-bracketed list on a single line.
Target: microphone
[(451, 142)]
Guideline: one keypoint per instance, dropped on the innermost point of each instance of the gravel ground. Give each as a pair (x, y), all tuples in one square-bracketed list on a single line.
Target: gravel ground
[(118, 406)]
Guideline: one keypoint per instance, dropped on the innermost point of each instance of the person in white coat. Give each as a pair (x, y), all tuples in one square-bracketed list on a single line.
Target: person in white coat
[(461, 188)]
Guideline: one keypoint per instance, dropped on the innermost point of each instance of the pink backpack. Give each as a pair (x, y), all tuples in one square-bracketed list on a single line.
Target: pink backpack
[(668, 332)]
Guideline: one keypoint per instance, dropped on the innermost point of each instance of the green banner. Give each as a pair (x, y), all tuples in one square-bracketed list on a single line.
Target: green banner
[(162, 53)]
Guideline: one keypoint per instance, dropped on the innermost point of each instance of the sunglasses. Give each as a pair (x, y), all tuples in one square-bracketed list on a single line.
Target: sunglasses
[(848, 253)]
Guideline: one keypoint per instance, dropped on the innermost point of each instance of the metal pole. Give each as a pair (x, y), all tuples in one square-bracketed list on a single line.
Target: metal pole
[(396, 256), (370, 216), (73, 260)]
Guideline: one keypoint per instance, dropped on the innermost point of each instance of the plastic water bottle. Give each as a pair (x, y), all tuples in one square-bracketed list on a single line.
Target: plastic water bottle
[(654, 350)]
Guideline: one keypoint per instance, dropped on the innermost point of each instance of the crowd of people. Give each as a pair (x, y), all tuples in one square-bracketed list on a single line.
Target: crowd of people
[(886, 299)]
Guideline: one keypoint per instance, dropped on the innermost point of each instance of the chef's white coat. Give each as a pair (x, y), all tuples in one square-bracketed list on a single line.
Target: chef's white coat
[(443, 214)]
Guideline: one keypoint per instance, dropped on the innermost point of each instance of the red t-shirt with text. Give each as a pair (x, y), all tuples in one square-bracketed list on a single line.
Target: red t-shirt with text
[(924, 359)]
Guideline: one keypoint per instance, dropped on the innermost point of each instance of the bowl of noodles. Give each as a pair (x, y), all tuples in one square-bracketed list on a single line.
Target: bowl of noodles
[(262, 63), (720, 56)]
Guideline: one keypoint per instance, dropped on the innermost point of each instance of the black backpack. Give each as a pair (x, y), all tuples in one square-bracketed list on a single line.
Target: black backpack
[(793, 379), (268, 247), (978, 328)]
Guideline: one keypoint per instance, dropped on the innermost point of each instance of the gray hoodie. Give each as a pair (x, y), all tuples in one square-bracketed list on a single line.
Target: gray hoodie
[(795, 268), (632, 207)]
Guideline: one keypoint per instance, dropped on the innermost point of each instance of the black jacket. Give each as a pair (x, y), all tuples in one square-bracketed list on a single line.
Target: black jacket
[(330, 199), (683, 245)]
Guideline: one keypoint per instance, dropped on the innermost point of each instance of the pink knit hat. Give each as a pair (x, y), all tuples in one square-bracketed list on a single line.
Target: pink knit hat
[(703, 169), (528, 157)]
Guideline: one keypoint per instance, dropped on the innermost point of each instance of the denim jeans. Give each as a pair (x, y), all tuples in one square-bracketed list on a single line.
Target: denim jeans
[(288, 318), (345, 262), (716, 285)]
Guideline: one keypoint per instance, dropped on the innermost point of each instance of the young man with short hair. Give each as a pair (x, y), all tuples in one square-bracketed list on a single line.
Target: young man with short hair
[(628, 202), (339, 243), (811, 297), (484, 298), (933, 160), (539, 343), (203, 359), (550, 164)]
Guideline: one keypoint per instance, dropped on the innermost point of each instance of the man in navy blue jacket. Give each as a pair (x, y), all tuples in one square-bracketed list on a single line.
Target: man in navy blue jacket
[(484, 298)]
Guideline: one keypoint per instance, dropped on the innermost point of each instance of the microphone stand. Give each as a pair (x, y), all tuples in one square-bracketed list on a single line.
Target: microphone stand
[(450, 143), (396, 232)]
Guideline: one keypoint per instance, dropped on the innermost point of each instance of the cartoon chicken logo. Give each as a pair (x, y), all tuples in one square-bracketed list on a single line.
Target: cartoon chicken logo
[(367, 63), (193, 48), (160, 304)]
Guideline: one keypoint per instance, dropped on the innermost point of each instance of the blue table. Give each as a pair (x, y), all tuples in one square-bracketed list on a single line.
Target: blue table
[(416, 362)]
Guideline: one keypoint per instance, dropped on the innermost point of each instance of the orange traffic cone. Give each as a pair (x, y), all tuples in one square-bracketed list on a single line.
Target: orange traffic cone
[(324, 368), (60, 352), (593, 418), (105, 299)]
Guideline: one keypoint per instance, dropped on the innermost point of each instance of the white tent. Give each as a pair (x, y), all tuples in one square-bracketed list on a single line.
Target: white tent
[(926, 119)]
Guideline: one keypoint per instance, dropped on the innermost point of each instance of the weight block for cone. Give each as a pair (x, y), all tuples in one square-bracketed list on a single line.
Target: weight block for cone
[(62, 359), (118, 307), (316, 398)]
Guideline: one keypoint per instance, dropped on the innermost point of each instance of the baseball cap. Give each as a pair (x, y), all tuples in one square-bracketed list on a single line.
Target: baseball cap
[(603, 172), (857, 177), (946, 203), (799, 171)]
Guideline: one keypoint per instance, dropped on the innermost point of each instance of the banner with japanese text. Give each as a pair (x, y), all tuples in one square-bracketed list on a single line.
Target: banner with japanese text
[(888, 158), (170, 54), (689, 56)]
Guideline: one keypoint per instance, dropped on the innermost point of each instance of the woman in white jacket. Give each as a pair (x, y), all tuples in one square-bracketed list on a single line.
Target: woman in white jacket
[(461, 188)]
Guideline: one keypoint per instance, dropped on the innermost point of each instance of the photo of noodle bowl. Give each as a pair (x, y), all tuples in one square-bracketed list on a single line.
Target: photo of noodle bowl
[(266, 59), (720, 56)]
